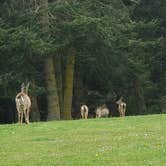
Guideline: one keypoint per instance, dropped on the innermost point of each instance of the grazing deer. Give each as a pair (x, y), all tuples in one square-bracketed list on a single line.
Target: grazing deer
[(121, 107), (23, 104), (102, 111), (84, 111)]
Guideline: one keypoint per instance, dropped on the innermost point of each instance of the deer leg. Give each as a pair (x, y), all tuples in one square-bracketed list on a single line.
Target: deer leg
[(124, 113), (86, 115), (25, 115), (82, 115), (120, 114), (18, 113), (28, 110), (21, 117), (97, 115)]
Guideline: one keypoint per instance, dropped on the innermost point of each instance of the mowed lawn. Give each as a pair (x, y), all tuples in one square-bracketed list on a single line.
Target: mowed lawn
[(129, 141)]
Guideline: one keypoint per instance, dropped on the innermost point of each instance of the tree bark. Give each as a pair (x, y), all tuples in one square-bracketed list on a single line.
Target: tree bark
[(34, 114), (59, 81), (140, 101), (52, 96), (68, 85), (79, 93)]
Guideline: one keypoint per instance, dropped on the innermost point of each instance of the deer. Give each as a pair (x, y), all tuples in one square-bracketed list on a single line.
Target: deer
[(102, 111), (121, 107), (23, 104), (84, 111)]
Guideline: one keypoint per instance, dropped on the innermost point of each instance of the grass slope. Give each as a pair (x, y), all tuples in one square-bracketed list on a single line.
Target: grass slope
[(129, 141)]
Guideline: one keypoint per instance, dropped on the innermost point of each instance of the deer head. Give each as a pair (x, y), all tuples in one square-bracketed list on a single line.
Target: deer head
[(24, 88)]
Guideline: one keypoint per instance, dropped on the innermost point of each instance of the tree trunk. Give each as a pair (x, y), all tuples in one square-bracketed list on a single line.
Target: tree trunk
[(68, 85), (58, 72), (52, 96), (35, 114), (141, 106), (79, 96)]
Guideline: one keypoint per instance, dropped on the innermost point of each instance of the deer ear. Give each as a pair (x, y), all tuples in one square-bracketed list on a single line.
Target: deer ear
[(27, 86), (22, 85)]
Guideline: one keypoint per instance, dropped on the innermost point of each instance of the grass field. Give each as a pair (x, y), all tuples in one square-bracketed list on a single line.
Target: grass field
[(129, 141)]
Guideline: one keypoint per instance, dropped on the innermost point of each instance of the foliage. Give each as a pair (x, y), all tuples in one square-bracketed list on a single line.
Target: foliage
[(120, 48)]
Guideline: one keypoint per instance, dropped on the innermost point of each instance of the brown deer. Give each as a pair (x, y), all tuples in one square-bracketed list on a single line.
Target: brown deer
[(84, 111), (121, 107), (23, 104), (102, 111)]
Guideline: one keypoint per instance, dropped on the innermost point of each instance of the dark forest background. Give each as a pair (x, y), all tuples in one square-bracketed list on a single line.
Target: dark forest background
[(74, 52)]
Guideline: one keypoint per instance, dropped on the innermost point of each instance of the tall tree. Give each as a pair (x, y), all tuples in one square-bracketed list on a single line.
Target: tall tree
[(59, 78), (49, 70), (68, 84), (150, 32), (34, 114)]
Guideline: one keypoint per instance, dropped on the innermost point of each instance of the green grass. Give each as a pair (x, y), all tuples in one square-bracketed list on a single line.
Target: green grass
[(129, 141)]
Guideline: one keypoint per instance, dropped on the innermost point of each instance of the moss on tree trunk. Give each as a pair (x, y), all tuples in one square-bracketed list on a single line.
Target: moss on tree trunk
[(68, 84)]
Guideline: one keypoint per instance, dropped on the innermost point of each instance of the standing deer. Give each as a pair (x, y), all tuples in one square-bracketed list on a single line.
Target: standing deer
[(84, 111), (23, 104), (121, 107), (102, 111)]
